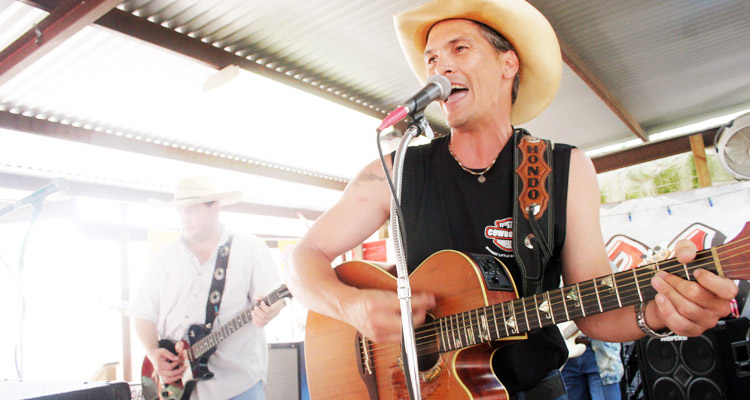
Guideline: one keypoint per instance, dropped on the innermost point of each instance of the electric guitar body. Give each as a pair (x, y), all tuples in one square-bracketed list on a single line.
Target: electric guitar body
[(200, 344)]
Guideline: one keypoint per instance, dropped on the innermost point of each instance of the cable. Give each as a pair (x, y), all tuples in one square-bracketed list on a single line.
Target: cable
[(392, 188)]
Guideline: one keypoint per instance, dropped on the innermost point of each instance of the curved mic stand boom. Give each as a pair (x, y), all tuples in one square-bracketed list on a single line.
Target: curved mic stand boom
[(411, 368)]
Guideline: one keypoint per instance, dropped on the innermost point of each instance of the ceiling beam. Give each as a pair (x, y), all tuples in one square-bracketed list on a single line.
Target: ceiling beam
[(576, 64), (126, 194), (56, 130), (126, 23), (650, 151), (64, 20)]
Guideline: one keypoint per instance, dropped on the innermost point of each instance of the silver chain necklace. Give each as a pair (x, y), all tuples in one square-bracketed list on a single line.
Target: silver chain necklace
[(481, 178)]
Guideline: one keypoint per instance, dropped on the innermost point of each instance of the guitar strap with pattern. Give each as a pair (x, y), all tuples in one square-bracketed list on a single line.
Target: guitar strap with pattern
[(216, 292), (533, 216)]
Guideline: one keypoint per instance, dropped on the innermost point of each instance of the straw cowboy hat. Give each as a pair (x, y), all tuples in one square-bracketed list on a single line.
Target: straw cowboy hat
[(523, 25), (197, 190)]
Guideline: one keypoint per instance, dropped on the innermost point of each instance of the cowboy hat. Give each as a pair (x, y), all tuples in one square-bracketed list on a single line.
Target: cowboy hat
[(523, 25), (197, 190)]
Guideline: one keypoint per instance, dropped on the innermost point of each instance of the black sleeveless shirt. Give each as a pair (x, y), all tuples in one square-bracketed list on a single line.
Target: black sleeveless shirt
[(445, 207)]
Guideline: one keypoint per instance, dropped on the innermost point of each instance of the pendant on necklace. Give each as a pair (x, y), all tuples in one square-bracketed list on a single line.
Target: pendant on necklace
[(481, 179)]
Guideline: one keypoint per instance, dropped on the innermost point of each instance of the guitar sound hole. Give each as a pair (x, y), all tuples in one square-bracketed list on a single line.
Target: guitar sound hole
[(428, 355)]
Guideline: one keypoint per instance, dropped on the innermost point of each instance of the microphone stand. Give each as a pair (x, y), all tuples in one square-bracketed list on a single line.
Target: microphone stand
[(411, 368), (37, 207)]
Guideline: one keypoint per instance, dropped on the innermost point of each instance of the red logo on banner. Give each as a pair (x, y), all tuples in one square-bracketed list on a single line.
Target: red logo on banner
[(626, 252), (704, 237)]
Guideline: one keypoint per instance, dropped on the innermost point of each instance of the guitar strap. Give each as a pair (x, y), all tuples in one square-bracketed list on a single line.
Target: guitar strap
[(216, 291), (533, 217)]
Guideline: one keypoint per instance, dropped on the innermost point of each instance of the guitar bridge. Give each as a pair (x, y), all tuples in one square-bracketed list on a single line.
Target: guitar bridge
[(365, 365)]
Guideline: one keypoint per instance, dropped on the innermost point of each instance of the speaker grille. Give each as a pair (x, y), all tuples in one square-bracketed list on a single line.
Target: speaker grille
[(666, 388), (662, 356), (698, 355), (703, 389), (682, 369)]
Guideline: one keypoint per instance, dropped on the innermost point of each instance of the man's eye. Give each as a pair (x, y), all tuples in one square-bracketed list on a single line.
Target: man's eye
[(431, 60)]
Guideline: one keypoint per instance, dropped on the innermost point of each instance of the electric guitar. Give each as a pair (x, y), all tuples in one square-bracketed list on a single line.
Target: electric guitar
[(200, 344), (569, 331), (477, 310)]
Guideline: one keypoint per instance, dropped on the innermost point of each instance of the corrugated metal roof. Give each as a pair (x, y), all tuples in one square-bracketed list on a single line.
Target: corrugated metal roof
[(666, 61), (33, 155), (110, 82)]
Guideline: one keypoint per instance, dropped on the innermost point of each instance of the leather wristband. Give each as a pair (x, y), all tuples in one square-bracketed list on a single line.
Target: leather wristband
[(640, 319)]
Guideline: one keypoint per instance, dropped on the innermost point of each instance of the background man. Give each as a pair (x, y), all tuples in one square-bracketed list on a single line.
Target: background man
[(175, 291), (503, 60)]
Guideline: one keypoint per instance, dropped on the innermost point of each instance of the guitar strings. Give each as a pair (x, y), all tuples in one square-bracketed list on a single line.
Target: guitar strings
[(428, 331), (670, 265), (627, 288), (422, 346)]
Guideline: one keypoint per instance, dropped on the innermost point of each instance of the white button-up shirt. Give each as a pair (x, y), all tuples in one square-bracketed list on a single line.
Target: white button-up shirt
[(174, 293)]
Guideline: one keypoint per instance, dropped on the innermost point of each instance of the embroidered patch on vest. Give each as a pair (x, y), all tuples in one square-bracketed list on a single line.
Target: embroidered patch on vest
[(533, 172), (501, 233)]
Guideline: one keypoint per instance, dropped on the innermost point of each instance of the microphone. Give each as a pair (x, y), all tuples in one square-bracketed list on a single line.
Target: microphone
[(438, 87), (57, 185)]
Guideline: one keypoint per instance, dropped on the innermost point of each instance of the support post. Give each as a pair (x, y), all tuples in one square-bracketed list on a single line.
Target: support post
[(699, 157)]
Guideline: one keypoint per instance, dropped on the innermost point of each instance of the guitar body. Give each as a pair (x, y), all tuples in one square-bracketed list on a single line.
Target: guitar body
[(570, 332), (200, 345), (456, 344), (333, 348), (152, 387), (182, 389)]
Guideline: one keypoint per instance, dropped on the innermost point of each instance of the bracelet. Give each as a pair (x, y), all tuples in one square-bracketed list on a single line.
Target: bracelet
[(640, 319)]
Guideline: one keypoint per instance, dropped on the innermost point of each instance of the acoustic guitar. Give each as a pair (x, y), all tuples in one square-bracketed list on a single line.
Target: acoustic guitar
[(200, 344), (477, 311)]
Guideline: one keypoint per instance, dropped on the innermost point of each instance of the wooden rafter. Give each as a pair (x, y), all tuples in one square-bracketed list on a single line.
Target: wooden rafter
[(62, 22), (46, 128), (650, 151), (577, 65)]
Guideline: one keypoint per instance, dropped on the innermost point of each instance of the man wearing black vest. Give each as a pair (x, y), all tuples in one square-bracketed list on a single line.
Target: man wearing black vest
[(503, 61)]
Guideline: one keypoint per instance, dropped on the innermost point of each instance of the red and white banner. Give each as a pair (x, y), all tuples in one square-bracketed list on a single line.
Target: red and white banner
[(707, 216)]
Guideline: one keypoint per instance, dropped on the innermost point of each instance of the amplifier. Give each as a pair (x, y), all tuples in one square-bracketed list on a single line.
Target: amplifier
[(45, 390)]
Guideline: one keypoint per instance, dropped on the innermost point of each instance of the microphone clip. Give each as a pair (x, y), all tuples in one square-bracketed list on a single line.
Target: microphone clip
[(422, 126)]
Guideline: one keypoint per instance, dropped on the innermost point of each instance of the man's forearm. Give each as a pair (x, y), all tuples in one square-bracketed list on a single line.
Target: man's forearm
[(147, 334), (312, 281)]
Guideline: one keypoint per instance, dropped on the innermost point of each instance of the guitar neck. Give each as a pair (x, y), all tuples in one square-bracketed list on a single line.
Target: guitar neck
[(583, 299), (218, 335)]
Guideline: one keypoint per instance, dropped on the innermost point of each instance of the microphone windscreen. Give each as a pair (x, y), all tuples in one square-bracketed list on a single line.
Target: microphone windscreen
[(444, 83)]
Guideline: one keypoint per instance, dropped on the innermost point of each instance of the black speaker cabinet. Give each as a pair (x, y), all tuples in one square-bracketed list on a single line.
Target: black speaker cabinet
[(38, 390), (712, 366)]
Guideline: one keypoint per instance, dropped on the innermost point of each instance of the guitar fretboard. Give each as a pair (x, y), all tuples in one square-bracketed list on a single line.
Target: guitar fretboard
[(204, 345), (572, 302)]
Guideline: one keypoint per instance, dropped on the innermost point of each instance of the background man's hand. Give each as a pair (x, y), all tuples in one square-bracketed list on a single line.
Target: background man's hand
[(263, 314), (170, 367)]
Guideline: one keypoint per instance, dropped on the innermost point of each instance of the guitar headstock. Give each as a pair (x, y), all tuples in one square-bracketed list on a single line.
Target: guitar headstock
[(276, 295)]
